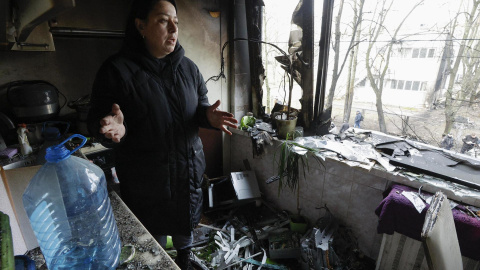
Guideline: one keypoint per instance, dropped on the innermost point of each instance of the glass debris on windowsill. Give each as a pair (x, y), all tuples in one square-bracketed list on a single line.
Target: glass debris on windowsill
[(370, 150), (457, 189), (415, 200)]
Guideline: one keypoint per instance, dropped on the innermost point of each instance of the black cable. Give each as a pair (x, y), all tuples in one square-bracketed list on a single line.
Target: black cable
[(222, 64)]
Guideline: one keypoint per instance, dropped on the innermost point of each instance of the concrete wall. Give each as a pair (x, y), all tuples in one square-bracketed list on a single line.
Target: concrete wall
[(203, 36)]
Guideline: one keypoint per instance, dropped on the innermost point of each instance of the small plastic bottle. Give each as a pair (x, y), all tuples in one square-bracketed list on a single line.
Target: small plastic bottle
[(25, 147), (70, 213)]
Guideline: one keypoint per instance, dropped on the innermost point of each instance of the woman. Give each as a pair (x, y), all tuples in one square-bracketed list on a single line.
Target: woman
[(148, 102)]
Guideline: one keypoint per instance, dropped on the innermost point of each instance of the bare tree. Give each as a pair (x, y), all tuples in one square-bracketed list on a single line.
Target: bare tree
[(266, 53), (352, 70), (336, 49), (377, 64), (337, 64), (270, 33), (466, 59)]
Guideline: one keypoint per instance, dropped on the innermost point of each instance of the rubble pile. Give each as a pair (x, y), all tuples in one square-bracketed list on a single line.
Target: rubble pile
[(257, 236)]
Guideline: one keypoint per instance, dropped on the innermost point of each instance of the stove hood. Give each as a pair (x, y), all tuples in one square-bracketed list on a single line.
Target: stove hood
[(26, 23), (32, 25)]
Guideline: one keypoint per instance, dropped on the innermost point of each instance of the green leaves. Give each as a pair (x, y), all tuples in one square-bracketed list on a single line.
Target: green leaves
[(289, 164), (7, 260)]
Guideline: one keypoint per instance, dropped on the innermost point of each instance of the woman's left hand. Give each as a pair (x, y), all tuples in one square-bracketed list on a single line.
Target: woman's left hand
[(220, 119)]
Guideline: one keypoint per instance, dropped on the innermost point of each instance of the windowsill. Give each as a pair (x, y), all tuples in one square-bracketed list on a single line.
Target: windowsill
[(431, 184)]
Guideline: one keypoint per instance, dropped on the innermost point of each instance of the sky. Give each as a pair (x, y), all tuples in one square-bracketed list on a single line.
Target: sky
[(431, 14)]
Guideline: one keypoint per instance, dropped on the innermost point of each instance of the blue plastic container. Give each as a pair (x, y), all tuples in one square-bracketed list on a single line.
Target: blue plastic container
[(51, 134), (69, 209)]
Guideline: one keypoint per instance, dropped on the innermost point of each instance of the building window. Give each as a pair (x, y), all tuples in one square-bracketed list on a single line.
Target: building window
[(415, 53), (423, 86), (423, 53), (393, 84), (406, 52), (431, 52), (408, 85), (416, 85), (362, 83), (400, 84), (397, 52)]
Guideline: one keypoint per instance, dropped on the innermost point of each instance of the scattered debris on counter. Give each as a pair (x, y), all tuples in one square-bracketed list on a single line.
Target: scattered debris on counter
[(371, 149), (36, 255), (148, 254)]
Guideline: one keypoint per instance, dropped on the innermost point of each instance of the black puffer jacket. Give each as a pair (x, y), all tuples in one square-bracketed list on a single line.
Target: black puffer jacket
[(160, 161)]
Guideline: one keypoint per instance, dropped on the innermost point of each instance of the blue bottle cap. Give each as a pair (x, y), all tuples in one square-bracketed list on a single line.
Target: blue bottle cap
[(59, 152), (56, 153)]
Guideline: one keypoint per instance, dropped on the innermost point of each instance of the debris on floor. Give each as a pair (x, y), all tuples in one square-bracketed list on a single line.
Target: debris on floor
[(258, 236)]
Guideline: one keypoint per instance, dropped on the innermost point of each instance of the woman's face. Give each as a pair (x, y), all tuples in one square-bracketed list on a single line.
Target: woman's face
[(160, 29)]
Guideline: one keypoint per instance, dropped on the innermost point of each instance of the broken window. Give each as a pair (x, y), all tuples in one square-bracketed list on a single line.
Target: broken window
[(369, 38)]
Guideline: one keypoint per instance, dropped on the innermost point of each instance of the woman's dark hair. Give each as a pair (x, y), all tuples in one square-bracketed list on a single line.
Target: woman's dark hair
[(139, 9)]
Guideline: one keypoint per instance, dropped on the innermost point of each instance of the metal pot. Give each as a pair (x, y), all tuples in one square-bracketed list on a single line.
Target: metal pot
[(33, 101)]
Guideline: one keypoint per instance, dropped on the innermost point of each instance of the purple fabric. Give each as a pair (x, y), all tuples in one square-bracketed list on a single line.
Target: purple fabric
[(397, 214)]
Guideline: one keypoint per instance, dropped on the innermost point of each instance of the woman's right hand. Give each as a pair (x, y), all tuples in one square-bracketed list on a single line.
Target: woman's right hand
[(112, 125)]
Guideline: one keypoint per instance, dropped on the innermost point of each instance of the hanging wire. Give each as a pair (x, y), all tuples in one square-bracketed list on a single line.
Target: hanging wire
[(222, 64)]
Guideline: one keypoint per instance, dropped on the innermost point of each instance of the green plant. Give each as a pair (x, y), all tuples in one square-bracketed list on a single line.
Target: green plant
[(290, 163), (7, 260), (205, 252)]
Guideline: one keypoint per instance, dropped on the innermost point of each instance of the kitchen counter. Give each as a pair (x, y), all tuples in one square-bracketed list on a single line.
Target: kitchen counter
[(148, 253)]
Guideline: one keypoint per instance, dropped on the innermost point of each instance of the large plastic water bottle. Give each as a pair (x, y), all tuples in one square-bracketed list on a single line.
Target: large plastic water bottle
[(69, 209)]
